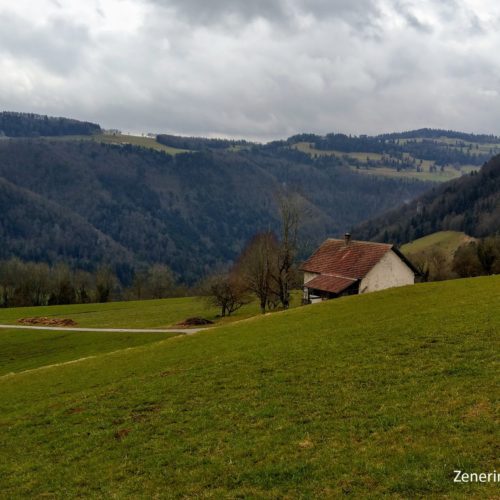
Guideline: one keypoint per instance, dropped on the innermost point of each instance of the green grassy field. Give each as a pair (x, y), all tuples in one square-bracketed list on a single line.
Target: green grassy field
[(380, 395), (145, 142), (28, 349), (447, 175), (389, 171), (305, 147), (162, 313), (142, 141), (448, 241)]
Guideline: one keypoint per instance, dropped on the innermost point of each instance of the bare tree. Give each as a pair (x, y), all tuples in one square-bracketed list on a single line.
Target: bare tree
[(37, 283), (433, 264), (290, 211), (105, 282), (257, 266), (139, 284), (63, 290), (23, 284), (160, 281), (466, 261), (83, 285), (226, 291)]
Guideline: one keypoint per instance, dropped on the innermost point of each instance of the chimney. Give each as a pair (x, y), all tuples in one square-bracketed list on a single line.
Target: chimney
[(347, 238)]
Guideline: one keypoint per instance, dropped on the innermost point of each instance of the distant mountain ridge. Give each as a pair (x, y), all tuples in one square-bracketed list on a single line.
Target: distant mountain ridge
[(408, 149), (435, 133), (470, 204), (13, 124)]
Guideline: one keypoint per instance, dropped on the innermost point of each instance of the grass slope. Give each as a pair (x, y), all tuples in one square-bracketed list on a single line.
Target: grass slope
[(160, 313), (377, 395), (447, 241), (134, 140), (121, 139), (27, 349)]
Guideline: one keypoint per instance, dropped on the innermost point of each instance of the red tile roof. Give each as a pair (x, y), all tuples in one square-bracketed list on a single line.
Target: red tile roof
[(352, 261), (328, 283)]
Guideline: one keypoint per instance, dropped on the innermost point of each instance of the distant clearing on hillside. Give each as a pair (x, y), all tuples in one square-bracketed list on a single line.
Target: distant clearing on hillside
[(122, 139), (447, 241), (145, 142), (378, 164)]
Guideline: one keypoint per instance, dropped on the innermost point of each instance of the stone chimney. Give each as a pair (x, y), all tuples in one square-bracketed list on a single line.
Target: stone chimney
[(347, 238)]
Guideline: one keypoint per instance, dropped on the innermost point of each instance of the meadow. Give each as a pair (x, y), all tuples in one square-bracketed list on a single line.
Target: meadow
[(426, 174), (446, 241), (136, 140), (22, 350), (159, 313), (28, 349), (379, 395), (121, 139)]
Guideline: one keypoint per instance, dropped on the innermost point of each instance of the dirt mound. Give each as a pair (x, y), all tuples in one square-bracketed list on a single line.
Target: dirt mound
[(41, 320), (195, 322)]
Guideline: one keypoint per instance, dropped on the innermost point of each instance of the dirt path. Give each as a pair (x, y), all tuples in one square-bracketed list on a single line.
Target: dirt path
[(185, 331), (190, 331)]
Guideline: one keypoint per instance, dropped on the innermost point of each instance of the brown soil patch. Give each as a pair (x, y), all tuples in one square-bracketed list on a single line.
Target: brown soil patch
[(44, 321), (478, 410), (306, 443), (119, 435), (194, 322), (72, 411)]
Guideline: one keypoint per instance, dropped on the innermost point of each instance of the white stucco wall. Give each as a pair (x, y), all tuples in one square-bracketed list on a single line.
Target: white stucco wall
[(309, 276), (390, 272)]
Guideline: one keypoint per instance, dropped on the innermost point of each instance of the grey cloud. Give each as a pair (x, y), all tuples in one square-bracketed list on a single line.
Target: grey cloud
[(215, 11), (476, 26), (208, 68), (58, 46), (281, 12), (415, 23)]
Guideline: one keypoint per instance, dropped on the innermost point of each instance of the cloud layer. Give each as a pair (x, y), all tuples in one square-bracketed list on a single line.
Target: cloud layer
[(262, 69)]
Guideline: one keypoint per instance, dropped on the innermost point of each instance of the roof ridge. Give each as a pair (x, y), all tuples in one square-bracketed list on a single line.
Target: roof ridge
[(361, 241), (339, 276)]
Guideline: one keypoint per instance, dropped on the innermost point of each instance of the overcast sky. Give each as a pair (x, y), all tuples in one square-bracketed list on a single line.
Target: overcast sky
[(259, 69)]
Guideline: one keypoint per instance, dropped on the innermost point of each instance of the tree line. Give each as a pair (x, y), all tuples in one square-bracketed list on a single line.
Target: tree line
[(198, 143), (38, 284), (430, 133), (13, 124), (476, 258)]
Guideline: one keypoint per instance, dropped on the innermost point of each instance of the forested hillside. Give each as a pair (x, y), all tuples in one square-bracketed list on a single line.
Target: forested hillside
[(71, 193), (470, 204), (31, 125), (34, 228), (87, 202)]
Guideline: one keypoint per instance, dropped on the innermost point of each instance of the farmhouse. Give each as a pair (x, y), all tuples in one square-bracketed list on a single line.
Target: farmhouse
[(346, 267)]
